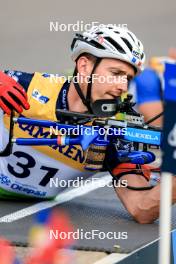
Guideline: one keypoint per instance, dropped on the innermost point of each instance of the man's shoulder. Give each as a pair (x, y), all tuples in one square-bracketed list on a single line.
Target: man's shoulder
[(25, 78), (158, 63)]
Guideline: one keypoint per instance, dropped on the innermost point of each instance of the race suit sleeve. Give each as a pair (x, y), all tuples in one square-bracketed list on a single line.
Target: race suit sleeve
[(22, 78)]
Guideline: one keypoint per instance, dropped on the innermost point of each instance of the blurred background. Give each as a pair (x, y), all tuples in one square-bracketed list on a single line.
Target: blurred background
[(27, 43)]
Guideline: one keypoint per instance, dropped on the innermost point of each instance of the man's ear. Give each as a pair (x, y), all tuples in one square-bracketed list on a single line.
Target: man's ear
[(84, 66)]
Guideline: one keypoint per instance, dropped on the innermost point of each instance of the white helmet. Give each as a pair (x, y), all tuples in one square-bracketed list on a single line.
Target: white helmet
[(110, 42)]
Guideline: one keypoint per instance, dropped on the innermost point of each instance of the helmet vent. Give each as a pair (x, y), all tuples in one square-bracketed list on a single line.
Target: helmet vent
[(96, 44), (142, 56), (115, 44), (117, 32), (131, 36), (73, 43), (128, 44), (99, 33)]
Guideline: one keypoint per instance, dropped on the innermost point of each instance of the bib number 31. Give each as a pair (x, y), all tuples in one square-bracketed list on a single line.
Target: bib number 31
[(28, 165)]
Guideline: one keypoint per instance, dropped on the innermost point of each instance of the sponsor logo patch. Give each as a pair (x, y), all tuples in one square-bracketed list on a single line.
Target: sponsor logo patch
[(38, 97)]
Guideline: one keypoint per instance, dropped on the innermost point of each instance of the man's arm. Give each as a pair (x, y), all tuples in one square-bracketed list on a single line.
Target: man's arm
[(142, 205)]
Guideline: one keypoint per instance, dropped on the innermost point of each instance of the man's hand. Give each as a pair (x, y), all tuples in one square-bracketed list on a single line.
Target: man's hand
[(12, 95)]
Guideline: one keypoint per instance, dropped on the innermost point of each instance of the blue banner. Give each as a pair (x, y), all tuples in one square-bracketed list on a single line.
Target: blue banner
[(169, 133), (174, 245)]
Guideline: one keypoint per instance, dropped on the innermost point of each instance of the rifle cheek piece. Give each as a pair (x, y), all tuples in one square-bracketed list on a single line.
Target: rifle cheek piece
[(110, 107), (106, 107)]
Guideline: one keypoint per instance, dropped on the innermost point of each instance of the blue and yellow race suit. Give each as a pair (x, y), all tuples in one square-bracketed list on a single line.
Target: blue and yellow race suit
[(28, 170)]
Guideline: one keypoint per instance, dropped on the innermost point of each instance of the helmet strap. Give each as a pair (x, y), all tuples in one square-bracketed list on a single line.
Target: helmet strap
[(89, 86), (86, 100), (80, 93)]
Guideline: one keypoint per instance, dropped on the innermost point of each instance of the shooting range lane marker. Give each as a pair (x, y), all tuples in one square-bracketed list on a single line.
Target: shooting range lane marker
[(115, 258), (61, 198)]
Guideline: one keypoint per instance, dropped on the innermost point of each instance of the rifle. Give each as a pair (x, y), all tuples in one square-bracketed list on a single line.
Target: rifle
[(131, 136)]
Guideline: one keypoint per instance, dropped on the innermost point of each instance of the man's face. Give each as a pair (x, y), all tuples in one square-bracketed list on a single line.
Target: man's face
[(111, 79)]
